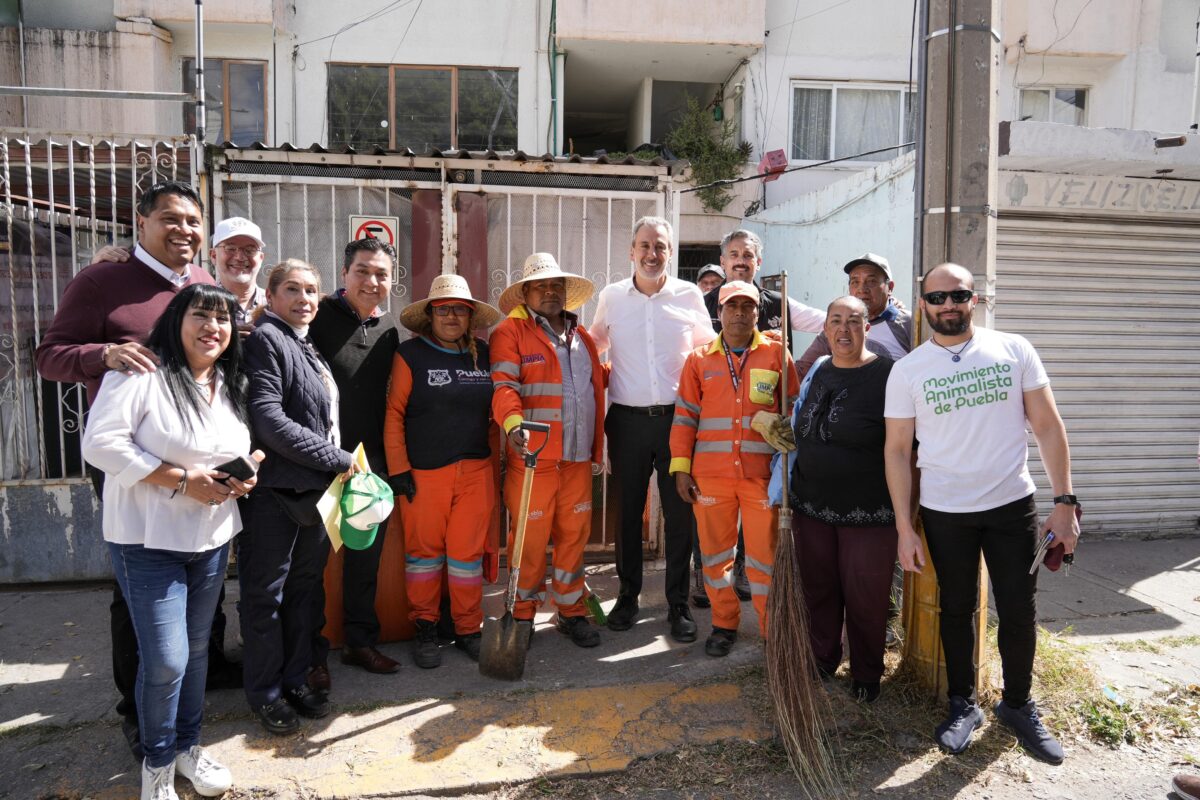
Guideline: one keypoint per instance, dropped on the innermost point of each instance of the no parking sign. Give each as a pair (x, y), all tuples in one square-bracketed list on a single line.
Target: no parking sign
[(382, 228)]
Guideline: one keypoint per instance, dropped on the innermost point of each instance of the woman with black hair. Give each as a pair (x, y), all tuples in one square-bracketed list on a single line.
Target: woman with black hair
[(168, 519), (293, 405)]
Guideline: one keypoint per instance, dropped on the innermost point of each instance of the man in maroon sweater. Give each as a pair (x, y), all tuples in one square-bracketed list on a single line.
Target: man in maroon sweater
[(106, 312)]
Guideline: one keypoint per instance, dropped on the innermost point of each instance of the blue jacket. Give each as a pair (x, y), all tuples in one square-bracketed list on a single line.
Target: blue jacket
[(775, 487), (289, 410)]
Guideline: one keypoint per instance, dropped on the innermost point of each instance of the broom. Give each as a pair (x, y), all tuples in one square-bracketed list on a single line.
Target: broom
[(801, 706)]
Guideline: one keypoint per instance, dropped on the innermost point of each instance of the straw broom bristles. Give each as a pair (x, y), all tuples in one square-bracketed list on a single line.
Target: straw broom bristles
[(801, 706)]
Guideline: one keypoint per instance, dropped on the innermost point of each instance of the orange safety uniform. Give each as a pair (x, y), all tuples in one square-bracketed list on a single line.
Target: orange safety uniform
[(437, 425), (711, 439), (529, 387)]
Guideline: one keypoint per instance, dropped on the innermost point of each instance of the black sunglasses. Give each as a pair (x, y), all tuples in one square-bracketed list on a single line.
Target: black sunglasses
[(958, 296)]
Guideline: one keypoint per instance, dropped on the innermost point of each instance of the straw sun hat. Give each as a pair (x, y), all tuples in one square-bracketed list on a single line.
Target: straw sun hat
[(449, 287), (540, 267)]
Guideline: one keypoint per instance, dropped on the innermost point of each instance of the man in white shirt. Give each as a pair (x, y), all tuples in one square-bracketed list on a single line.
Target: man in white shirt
[(741, 256), (967, 395), (648, 324)]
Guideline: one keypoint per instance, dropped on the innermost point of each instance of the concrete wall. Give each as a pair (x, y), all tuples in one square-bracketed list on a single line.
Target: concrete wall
[(136, 56), (813, 236), (663, 21), (51, 532), (241, 11)]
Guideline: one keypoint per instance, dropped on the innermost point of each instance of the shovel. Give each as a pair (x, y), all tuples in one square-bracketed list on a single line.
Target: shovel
[(505, 641)]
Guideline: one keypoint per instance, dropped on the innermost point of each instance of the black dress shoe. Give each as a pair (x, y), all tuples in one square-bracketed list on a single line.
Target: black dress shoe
[(720, 642), (133, 737), (369, 659), (278, 717), (306, 702), (623, 614), (683, 629)]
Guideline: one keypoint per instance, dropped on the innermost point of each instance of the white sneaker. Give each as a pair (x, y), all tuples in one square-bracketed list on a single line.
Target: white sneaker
[(158, 783), (208, 778)]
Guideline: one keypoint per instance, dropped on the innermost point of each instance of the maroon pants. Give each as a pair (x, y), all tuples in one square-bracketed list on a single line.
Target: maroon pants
[(847, 574)]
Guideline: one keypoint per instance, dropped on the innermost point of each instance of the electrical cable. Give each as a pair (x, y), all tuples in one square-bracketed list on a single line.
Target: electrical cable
[(854, 157)]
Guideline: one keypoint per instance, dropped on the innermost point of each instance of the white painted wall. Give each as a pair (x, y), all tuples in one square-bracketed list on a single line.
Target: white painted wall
[(813, 236)]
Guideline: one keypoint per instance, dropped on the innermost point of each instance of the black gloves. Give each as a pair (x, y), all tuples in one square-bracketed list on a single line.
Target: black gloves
[(403, 484)]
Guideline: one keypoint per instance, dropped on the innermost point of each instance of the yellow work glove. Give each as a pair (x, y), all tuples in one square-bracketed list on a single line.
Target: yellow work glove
[(775, 429)]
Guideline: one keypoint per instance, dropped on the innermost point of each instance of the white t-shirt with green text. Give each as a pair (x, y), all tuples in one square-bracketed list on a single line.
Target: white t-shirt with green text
[(970, 419)]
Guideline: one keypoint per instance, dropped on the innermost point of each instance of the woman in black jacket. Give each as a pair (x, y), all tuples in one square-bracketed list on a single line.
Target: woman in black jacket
[(281, 557)]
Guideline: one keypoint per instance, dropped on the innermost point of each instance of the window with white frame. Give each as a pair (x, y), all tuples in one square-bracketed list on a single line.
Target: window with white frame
[(1063, 104), (839, 120)]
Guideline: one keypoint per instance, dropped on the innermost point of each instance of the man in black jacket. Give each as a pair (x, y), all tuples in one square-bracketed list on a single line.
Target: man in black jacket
[(359, 342)]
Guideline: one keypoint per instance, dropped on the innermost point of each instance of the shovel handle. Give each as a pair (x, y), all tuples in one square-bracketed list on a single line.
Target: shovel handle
[(530, 455), (514, 555)]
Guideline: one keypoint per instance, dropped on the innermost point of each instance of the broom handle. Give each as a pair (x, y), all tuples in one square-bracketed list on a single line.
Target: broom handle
[(785, 502)]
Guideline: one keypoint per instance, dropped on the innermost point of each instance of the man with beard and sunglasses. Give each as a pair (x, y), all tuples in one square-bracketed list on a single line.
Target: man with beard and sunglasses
[(967, 395)]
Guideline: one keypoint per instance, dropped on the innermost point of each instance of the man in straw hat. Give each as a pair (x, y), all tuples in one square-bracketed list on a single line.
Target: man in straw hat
[(545, 368), (721, 464), (439, 459), (358, 340), (649, 323)]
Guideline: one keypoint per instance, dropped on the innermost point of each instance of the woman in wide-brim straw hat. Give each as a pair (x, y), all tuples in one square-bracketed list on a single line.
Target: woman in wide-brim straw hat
[(436, 438)]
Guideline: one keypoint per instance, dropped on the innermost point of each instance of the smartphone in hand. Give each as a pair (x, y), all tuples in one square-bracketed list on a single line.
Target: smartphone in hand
[(243, 468)]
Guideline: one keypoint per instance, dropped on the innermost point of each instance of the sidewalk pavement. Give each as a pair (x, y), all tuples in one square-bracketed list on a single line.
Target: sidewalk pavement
[(451, 731)]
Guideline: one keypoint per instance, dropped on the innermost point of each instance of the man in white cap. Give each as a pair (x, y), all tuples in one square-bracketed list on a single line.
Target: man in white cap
[(649, 323), (545, 368), (237, 256)]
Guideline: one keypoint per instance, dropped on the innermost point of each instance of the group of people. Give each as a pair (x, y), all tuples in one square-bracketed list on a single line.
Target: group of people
[(222, 409)]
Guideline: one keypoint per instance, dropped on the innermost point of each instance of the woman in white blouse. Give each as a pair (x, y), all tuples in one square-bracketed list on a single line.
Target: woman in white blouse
[(169, 516)]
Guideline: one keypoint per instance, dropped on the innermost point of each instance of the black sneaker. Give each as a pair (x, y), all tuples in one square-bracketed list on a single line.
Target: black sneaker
[(580, 630), (623, 614), (741, 583), (865, 692), (720, 641), (954, 734), (426, 652), (683, 629), (1030, 731), (699, 595), (306, 702), (469, 643), (278, 717)]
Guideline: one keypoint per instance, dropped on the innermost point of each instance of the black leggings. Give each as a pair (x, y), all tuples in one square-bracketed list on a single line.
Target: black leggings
[(1007, 536)]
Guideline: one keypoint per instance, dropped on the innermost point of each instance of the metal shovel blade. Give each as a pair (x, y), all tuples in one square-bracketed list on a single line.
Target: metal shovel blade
[(503, 646)]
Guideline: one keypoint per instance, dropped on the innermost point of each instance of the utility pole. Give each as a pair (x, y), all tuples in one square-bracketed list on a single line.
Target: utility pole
[(955, 220)]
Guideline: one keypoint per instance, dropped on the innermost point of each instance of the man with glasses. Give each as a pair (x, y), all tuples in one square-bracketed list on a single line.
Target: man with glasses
[(359, 341), (967, 395), (237, 256)]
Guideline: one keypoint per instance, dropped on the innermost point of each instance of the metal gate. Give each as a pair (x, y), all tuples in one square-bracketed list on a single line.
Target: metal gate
[(1113, 307), (478, 217)]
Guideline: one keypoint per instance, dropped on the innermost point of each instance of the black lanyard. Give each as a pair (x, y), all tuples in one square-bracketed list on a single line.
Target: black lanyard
[(734, 375)]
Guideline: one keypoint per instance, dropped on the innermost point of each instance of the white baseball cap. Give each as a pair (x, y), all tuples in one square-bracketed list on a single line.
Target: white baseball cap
[(237, 226)]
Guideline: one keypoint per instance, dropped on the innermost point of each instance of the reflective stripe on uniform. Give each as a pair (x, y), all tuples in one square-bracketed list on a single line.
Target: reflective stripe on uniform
[(562, 576), (685, 404), (718, 558), (541, 390), (507, 367), (766, 569), (531, 594), (414, 565), (714, 447), (757, 447), (464, 569), (543, 414), (569, 599), (759, 588), (716, 424), (690, 422), (514, 385), (718, 583)]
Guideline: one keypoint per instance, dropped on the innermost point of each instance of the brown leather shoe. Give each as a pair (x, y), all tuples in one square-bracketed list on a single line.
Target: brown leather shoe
[(318, 679), (369, 659)]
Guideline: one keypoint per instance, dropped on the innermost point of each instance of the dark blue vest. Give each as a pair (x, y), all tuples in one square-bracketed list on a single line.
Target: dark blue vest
[(449, 406)]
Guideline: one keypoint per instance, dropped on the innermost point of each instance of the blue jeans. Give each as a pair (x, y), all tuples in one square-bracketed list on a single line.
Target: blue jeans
[(171, 596)]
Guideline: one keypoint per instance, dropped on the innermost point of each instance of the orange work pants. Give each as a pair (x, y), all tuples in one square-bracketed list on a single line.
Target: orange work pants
[(721, 500), (560, 512), (445, 529)]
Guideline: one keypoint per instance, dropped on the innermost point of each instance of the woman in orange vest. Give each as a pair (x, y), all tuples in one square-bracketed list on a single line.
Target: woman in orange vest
[(438, 451)]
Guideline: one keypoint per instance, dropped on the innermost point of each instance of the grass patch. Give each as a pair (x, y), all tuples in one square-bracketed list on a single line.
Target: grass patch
[(1156, 646)]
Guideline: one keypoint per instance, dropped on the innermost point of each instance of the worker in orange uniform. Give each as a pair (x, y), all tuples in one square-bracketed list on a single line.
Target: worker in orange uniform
[(722, 465), (545, 368), (436, 438)]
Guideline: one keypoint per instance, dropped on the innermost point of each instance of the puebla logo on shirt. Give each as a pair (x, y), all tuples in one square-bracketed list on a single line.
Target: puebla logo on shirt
[(439, 377)]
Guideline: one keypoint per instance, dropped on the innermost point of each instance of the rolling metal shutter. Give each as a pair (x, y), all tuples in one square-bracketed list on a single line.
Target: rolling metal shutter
[(1113, 308)]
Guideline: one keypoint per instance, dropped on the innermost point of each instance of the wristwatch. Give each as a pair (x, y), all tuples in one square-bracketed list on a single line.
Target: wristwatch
[(1066, 499)]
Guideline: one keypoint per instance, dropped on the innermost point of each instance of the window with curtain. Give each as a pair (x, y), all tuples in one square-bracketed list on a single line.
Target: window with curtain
[(1063, 104), (836, 121), (235, 100), (422, 107)]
